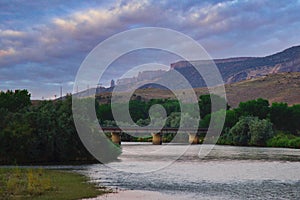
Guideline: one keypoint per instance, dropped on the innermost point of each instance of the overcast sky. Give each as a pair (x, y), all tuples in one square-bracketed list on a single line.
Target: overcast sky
[(43, 43)]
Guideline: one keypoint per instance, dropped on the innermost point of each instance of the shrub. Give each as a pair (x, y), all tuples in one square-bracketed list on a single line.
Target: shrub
[(251, 131), (284, 140)]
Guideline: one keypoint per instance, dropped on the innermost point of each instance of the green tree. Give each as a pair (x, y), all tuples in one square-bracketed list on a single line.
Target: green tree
[(205, 103), (231, 118), (241, 131), (294, 118), (14, 101), (138, 110), (261, 131), (173, 120), (258, 107), (251, 131), (280, 116)]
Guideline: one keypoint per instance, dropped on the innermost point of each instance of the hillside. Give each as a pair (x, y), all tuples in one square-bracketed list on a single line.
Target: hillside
[(280, 87), (238, 69), (232, 70)]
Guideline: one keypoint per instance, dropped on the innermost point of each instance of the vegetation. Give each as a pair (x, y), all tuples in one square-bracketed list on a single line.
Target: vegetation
[(249, 131), (39, 184), (44, 133), (284, 140), (258, 122), (252, 123)]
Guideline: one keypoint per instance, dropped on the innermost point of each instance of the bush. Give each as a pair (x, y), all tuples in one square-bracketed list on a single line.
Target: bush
[(251, 131), (260, 131), (284, 140)]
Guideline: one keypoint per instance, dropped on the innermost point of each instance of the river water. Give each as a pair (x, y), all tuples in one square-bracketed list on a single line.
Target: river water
[(225, 173)]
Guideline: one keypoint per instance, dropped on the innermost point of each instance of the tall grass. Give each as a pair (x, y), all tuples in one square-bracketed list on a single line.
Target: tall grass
[(40, 184), (284, 140), (16, 182)]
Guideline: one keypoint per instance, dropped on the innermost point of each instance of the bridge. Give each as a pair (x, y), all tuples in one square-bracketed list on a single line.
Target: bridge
[(156, 136)]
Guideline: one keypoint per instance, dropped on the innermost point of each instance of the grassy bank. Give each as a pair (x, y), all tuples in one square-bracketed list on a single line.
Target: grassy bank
[(39, 184)]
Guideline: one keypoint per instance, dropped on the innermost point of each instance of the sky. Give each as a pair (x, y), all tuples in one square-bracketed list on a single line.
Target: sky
[(43, 43)]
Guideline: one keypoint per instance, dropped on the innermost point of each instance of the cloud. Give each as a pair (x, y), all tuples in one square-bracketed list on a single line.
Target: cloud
[(11, 34), (46, 42), (79, 32), (8, 52)]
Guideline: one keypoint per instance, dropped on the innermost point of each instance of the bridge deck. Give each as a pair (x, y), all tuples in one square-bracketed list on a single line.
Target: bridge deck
[(153, 130)]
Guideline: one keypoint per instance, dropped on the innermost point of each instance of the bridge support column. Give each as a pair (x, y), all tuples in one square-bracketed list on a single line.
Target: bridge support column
[(116, 138), (193, 138), (156, 138)]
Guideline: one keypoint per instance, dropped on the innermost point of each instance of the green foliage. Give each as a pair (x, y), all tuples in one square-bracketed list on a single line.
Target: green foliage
[(204, 123), (285, 118), (284, 140), (46, 133), (259, 108), (41, 134), (39, 184), (169, 105), (280, 115), (262, 116), (188, 121), (205, 104), (173, 120), (103, 112), (17, 182), (261, 131), (231, 118), (250, 131), (14, 101), (137, 110), (294, 119), (241, 131), (143, 122)]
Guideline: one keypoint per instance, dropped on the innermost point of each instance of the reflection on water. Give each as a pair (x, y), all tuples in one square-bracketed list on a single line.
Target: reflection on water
[(226, 173)]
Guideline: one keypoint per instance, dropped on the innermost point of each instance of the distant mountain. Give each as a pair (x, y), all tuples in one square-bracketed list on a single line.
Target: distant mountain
[(232, 70), (243, 68), (278, 87), (142, 76)]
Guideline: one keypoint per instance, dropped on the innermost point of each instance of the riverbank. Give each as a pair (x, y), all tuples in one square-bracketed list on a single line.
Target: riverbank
[(137, 195), (227, 172), (40, 184)]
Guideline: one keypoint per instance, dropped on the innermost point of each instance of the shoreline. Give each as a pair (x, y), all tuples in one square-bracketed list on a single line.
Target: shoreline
[(42, 184), (122, 194), (69, 165)]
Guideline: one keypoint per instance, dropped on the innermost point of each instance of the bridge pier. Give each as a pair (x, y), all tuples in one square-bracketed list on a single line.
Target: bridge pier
[(156, 138), (193, 138), (116, 138)]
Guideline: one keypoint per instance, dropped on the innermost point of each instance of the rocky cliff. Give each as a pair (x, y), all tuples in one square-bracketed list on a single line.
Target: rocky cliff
[(244, 68)]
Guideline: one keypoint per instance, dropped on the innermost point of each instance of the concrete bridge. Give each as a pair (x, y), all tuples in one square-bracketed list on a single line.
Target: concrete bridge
[(156, 136)]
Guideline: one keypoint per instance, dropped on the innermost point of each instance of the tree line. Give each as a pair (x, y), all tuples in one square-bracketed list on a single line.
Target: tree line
[(45, 132), (253, 123)]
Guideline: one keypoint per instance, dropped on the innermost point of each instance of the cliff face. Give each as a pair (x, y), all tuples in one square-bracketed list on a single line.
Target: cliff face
[(232, 70), (142, 76), (244, 68)]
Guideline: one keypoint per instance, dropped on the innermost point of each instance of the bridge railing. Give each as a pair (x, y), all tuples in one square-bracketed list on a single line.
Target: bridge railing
[(152, 130)]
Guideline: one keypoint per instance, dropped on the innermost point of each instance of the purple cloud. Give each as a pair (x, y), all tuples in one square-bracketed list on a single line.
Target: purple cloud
[(45, 42)]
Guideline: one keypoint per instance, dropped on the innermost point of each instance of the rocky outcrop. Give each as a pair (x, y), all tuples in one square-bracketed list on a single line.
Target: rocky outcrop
[(243, 68), (232, 70)]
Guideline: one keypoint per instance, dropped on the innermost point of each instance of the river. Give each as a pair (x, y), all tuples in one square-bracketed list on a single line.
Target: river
[(225, 173)]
